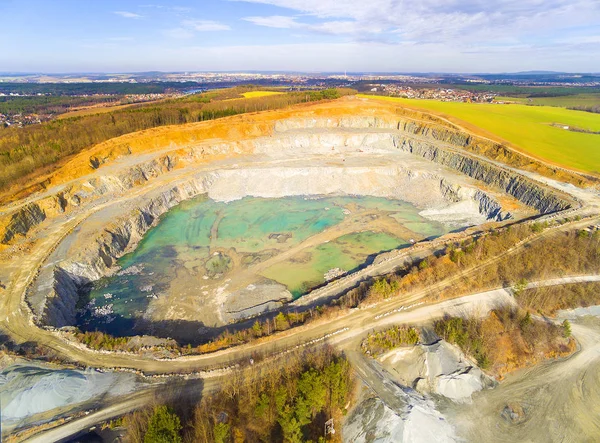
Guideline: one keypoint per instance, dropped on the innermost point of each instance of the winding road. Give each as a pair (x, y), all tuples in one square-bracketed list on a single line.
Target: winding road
[(348, 337)]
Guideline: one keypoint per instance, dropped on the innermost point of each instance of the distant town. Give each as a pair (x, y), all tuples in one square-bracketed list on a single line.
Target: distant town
[(28, 99)]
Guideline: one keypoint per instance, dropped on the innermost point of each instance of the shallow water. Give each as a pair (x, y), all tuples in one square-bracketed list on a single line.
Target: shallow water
[(207, 241)]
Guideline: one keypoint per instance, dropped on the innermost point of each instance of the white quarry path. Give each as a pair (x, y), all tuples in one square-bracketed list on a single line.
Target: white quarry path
[(346, 334)]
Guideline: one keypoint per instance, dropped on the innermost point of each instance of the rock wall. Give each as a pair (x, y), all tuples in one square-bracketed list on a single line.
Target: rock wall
[(57, 306), (523, 189), (298, 137)]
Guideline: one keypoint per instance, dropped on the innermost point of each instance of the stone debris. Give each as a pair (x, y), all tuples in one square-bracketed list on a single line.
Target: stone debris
[(334, 273)]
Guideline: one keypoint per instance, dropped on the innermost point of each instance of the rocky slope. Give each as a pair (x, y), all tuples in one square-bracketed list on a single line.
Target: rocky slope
[(363, 155), (291, 137)]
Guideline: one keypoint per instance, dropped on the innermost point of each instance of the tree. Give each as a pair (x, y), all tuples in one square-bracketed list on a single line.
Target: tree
[(526, 321), (519, 287), (281, 322), (566, 328), (221, 432), (291, 428), (336, 376), (257, 328), (312, 392), (164, 426)]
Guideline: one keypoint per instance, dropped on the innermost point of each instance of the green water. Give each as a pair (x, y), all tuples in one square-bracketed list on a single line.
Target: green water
[(346, 252), (245, 232)]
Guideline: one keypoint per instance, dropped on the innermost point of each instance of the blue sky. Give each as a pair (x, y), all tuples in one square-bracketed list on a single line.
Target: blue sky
[(300, 35)]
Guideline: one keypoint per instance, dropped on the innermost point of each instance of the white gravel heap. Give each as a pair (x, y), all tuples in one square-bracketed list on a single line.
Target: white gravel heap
[(29, 390), (372, 421), (439, 368)]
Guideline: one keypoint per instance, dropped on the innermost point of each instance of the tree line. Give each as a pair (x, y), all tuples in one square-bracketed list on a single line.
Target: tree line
[(25, 150), (507, 339), (285, 402)]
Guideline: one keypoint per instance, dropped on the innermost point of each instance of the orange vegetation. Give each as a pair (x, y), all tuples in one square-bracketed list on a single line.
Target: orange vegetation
[(507, 339), (249, 126)]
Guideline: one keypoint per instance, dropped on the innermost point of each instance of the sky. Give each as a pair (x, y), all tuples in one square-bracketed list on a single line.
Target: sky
[(59, 36)]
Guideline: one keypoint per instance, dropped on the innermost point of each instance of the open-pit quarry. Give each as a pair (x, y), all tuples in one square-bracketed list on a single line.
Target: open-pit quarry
[(234, 226), (184, 231)]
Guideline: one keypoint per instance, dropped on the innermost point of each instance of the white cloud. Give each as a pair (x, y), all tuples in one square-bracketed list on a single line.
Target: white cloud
[(175, 9), (451, 21), (274, 21), (205, 25), (127, 14), (180, 33), (335, 27), (189, 28)]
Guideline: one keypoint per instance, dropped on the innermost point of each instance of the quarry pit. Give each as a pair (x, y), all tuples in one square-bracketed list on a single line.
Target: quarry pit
[(197, 228)]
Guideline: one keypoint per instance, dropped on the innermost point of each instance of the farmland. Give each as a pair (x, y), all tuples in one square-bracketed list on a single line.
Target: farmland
[(254, 94), (527, 128), (563, 101)]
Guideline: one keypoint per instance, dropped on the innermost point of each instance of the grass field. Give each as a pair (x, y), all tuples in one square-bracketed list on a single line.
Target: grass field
[(254, 94), (527, 128), (565, 101)]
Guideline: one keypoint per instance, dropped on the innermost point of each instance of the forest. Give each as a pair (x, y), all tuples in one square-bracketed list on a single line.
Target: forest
[(25, 150), (286, 401), (50, 105), (92, 88)]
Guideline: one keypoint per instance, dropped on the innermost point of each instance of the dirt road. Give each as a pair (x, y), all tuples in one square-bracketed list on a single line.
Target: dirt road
[(348, 337), (556, 401)]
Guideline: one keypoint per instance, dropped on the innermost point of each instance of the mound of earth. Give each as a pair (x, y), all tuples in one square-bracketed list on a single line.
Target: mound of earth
[(438, 368), (373, 421)]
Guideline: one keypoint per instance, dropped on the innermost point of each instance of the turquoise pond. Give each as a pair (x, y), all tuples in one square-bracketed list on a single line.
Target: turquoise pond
[(207, 241)]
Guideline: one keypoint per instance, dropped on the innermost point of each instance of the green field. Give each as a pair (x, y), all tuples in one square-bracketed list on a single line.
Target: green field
[(565, 101), (528, 128)]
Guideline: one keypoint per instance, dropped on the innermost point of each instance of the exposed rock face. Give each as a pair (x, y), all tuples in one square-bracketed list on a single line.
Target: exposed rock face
[(97, 258), (21, 221), (520, 187), (438, 368), (408, 160), (296, 137)]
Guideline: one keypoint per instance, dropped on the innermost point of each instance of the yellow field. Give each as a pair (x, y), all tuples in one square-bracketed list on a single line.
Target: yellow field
[(254, 94), (526, 128)]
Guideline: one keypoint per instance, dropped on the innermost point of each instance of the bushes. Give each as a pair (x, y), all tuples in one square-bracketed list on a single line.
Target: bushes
[(466, 335), (378, 343), (100, 341), (505, 340)]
